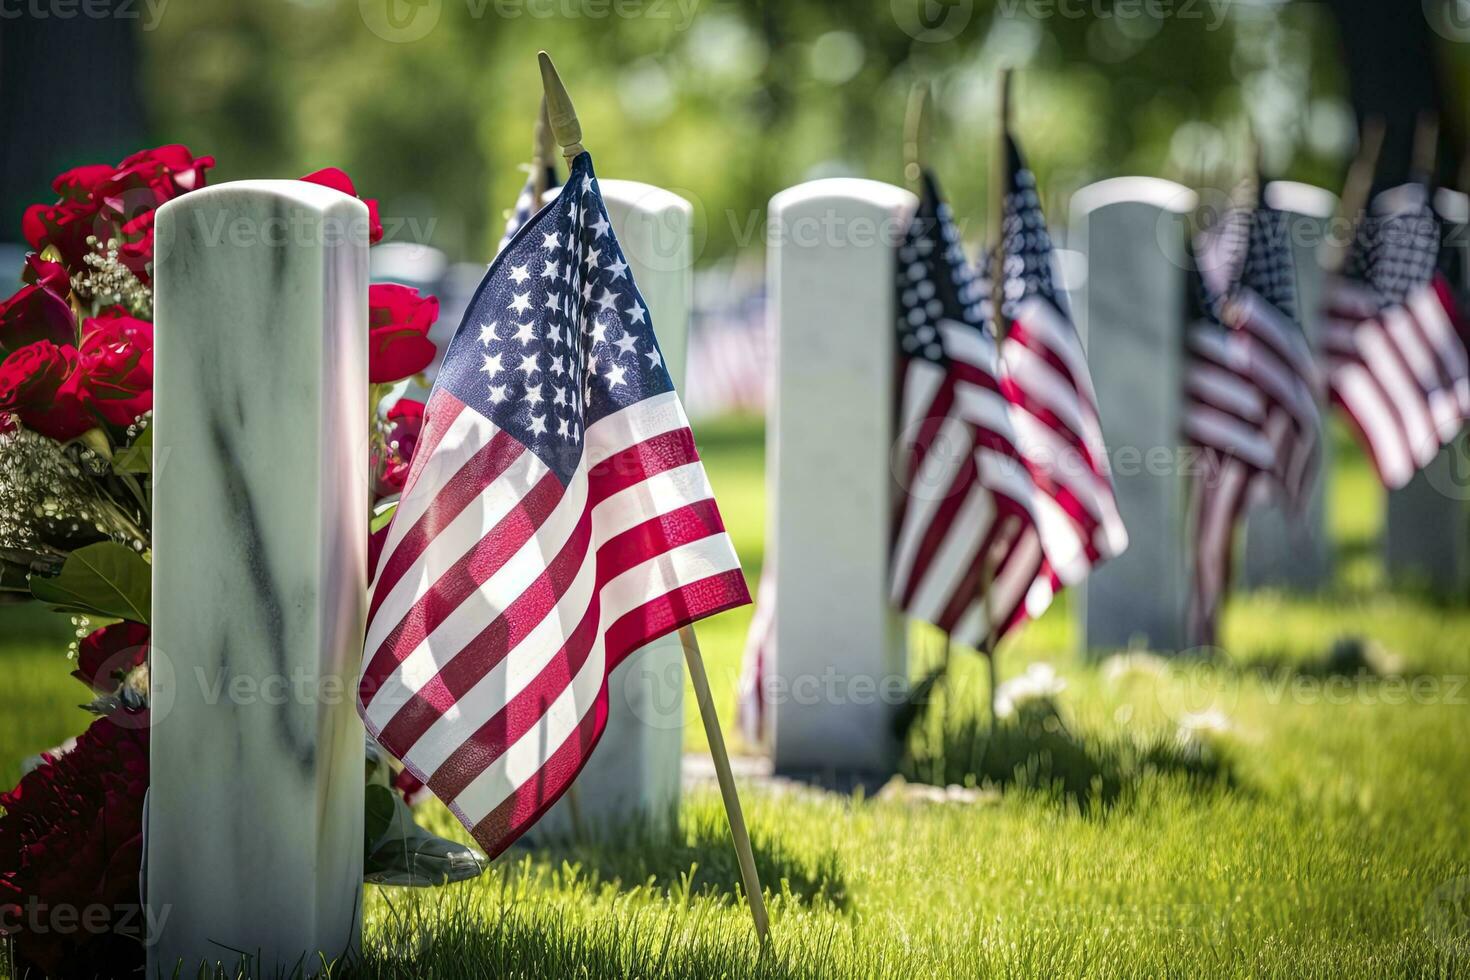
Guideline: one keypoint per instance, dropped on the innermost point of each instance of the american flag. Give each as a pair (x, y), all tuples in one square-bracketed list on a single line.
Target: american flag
[(1053, 404), (526, 203), (966, 551), (1394, 344), (1250, 399), (556, 518)]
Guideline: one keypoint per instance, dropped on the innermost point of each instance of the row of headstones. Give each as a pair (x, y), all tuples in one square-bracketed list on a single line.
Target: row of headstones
[(840, 648), (260, 530)]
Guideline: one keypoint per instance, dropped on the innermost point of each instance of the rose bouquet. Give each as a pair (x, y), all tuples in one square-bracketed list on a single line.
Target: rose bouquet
[(76, 398)]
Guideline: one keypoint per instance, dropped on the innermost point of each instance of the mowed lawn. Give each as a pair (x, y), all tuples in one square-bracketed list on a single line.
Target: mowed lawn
[(1333, 838)]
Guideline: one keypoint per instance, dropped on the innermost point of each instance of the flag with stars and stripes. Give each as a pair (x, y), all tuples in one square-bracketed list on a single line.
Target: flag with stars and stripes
[(1053, 404), (1250, 397), (526, 204), (966, 552), (1394, 342), (556, 518)]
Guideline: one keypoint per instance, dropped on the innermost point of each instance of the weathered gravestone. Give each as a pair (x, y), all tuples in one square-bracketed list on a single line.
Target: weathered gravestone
[(1131, 310), (1426, 535), (840, 664), (636, 768), (255, 804), (1285, 549)]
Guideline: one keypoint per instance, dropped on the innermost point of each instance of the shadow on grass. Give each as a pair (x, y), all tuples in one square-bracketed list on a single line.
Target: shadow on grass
[(1355, 658), (537, 938), (695, 856), (1035, 750)]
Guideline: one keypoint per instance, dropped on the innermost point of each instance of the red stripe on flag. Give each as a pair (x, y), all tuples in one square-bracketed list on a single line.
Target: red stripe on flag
[(631, 466), (520, 715), (463, 669), (657, 535), (483, 559), (524, 807), (673, 611), (458, 493)]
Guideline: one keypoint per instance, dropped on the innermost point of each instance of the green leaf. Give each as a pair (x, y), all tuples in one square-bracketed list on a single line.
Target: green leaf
[(107, 578), (138, 456), (380, 520)]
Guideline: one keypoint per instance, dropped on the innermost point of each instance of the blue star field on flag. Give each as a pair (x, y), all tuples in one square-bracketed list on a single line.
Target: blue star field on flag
[(557, 336)]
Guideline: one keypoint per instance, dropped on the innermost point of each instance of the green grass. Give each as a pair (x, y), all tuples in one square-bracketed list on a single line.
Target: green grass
[(1318, 834)]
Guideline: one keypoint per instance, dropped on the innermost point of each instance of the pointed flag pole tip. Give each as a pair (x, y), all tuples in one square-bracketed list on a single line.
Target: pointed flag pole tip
[(561, 115), (914, 132)]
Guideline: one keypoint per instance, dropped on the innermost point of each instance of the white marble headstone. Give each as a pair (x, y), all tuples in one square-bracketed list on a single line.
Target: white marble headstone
[(255, 803), (840, 666), (1131, 313), (635, 769)]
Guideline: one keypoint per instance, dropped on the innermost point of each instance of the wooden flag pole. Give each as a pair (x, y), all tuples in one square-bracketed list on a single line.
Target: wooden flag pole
[(749, 877), (1000, 179), (1357, 187), (568, 134)]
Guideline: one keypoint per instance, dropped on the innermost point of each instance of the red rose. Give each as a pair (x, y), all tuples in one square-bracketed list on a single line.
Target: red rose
[(41, 383), (136, 249), (65, 225), (117, 366), (398, 326), (39, 311), (405, 422), (100, 199), (107, 655), (147, 179), (339, 181), (78, 183), (72, 837)]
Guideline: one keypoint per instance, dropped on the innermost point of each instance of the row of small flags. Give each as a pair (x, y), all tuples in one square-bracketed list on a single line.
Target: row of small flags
[(1007, 497)]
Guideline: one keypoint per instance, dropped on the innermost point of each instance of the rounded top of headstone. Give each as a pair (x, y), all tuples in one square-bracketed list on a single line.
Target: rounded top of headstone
[(301, 193), (269, 212), (1299, 198), (644, 197), (1166, 195), (855, 189)]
